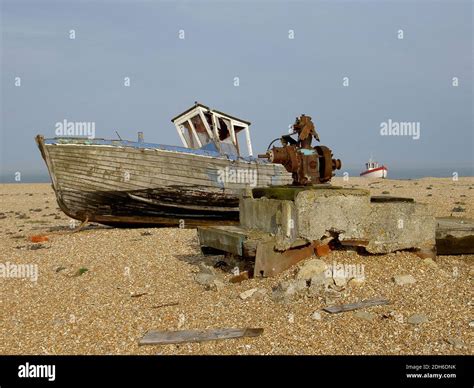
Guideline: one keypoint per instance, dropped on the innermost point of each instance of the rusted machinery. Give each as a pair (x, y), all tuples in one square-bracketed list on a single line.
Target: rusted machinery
[(309, 165)]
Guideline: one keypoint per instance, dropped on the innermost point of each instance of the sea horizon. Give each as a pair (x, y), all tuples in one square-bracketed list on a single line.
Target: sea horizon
[(394, 173)]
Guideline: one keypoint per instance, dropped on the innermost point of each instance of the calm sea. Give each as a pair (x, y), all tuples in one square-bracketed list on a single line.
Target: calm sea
[(393, 173)]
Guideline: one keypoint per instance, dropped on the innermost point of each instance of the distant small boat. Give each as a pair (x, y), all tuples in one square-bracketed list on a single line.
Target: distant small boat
[(374, 170)]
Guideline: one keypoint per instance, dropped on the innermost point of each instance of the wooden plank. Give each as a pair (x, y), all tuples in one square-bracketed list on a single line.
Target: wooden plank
[(194, 171), (454, 236), (222, 240), (178, 337), (354, 306)]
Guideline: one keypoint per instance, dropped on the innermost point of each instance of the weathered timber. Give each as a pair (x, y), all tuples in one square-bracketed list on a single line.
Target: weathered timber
[(454, 236), (271, 254), (354, 306), (177, 337), (224, 239), (123, 183), (158, 306)]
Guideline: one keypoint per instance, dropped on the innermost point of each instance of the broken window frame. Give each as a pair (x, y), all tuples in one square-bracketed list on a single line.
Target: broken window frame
[(184, 122)]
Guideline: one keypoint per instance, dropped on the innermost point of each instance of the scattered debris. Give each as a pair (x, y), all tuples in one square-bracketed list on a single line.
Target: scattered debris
[(247, 294), (146, 233), (331, 296), (177, 337), (181, 320), (291, 318), (316, 316), (397, 317), (311, 268), (203, 268), (416, 319), (354, 306), (35, 247), (456, 342), (366, 316), (38, 238), (430, 262), (339, 281), (209, 281), (81, 271), (220, 264), (356, 281), (287, 289), (319, 282), (402, 280), (165, 305), (240, 278), (138, 294)]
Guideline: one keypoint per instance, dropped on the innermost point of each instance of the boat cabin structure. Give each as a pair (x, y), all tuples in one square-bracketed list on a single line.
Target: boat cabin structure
[(200, 127)]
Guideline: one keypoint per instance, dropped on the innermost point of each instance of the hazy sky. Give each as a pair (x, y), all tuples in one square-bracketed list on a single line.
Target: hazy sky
[(82, 79)]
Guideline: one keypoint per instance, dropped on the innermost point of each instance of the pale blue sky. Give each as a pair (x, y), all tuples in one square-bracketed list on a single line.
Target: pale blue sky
[(402, 80)]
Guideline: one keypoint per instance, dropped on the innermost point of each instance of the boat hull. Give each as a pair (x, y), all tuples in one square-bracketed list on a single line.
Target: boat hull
[(137, 184), (380, 172)]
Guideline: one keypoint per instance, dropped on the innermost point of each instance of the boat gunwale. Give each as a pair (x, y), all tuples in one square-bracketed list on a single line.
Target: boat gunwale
[(148, 146)]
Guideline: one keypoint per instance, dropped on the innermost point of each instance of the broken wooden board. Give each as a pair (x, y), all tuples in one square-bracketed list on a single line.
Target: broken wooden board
[(232, 239), (354, 306), (454, 236), (176, 337), (228, 239)]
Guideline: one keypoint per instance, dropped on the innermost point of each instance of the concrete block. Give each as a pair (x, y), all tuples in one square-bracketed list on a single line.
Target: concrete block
[(400, 225), (344, 211), (268, 215)]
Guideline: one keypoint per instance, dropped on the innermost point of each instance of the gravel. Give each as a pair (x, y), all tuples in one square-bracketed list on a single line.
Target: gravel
[(94, 313)]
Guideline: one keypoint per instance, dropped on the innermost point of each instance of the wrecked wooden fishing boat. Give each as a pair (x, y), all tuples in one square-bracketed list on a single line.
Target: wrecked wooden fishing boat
[(135, 183)]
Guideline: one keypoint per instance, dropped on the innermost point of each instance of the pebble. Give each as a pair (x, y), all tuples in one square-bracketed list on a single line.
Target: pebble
[(316, 316), (247, 294), (310, 269), (456, 342), (402, 280), (291, 318), (417, 319), (366, 316)]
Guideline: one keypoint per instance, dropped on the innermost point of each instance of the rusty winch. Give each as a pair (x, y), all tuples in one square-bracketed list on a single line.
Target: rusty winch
[(309, 165)]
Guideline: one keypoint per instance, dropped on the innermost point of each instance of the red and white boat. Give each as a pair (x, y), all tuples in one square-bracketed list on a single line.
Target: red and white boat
[(373, 170)]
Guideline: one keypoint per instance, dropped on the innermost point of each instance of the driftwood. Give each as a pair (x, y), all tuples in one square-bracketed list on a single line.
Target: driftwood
[(176, 337), (354, 306), (165, 305)]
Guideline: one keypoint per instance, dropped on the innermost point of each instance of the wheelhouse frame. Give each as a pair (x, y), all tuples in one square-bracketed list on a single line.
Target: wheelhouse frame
[(200, 126)]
